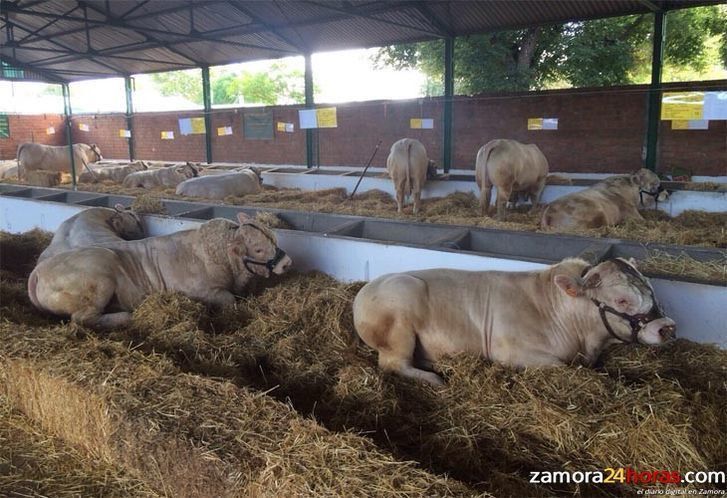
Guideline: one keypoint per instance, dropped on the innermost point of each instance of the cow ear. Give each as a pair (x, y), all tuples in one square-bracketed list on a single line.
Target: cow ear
[(593, 280), (569, 285), (243, 218)]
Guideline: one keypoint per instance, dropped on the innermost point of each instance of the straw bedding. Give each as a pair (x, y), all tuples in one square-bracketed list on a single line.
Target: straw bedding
[(192, 380), (689, 228)]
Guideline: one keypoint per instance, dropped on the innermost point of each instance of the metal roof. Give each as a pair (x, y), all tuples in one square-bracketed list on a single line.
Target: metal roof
[(68, 40)]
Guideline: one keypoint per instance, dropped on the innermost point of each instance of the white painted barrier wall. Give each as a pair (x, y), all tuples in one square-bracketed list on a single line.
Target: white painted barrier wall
[(698, 309)]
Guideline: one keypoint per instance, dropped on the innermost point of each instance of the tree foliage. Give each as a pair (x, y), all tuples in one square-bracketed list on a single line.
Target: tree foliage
[(279, 84), (602, 52)]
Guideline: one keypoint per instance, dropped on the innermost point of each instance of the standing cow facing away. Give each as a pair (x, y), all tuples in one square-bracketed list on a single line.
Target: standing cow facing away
[(511, 167), (95, 226), (409, 167), (569, 311), (99, 286), (610, 202), (241, 182), (32, 157), (162, 177)]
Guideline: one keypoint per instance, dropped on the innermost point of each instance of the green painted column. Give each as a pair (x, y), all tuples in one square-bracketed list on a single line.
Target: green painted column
[(129, 115), (69, 131), (654, 105), (207, 99), (448, 104), (309, 103)]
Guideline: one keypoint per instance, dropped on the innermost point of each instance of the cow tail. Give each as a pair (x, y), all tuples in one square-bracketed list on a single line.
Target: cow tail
[(17, 158), (32, 288), (408, 169), (486, 153)]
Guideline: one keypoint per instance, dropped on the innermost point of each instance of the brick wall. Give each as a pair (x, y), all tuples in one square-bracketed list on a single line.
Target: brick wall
[(599, 130), (31, 128), (103, 130)]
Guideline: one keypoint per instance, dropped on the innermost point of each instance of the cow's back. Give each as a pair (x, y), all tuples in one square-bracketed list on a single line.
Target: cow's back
[(220, 186)]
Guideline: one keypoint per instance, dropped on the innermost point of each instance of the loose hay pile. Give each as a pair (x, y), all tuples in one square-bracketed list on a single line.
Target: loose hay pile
[(647, 408), (689, 228)]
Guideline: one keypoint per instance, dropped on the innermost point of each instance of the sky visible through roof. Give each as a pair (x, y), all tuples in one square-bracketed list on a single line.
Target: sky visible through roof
[(342, 76)]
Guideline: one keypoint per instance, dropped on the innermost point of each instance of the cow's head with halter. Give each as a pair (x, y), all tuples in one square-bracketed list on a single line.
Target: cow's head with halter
[(624, 300), (126, 223), (649, 184), (96, 153), (256, 250)]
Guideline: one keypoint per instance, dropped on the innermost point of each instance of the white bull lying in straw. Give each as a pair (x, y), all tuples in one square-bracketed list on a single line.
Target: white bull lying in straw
[(241, 182), (565, 313), (95, 226), (33, 157), (115, 174), (162, 177), (99, 286)]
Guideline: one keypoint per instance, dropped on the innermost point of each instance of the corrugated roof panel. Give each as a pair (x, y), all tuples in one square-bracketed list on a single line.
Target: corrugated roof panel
[(138, 30)]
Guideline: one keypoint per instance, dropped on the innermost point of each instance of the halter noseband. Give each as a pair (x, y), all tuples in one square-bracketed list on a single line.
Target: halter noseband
[(271, 263), (655, 195), (636, 322)]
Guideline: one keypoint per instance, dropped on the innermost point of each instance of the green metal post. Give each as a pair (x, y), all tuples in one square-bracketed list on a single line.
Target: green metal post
[(448, 96), (69, 131), (309, 105), (207, 98), (654, 107), (129, 115)]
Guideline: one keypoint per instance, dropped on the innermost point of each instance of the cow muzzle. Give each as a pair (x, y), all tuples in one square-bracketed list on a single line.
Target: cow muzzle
[(278, 264)]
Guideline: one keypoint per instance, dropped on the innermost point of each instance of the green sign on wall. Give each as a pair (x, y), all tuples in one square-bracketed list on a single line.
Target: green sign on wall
[(257, 125), (4, 126)]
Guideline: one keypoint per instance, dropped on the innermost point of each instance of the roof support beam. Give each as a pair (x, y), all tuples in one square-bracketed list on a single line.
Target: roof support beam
[(654, 106), (45, 26), (54, 59), (207, 99), (309, 103), (267, 26), (69, 131), (129, 114), (448, 102)]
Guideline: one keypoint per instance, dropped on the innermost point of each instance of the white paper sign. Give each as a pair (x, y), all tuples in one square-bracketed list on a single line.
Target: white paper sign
[(550, 123), (50, 130), (715, 105), (83, 127), (125, 133), (308, 119)]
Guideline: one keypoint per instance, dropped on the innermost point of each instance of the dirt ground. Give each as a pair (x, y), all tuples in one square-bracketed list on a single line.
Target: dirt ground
[(271, 398)]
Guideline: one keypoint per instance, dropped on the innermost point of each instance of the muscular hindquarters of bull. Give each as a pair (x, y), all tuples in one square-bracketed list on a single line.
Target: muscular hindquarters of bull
[(94, 226), (510, 167), (518, 319), (407, 167)]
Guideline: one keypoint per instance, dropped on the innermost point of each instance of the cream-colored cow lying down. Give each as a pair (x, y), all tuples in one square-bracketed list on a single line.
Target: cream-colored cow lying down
[(99, 286), (115, 174), (511, 167), (610, 202), (162, 177), (95, 226), (409, 167), (240, 182), (565, 313)]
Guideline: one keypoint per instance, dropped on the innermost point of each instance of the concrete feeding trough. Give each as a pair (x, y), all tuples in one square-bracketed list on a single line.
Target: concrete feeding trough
[(359, 248)]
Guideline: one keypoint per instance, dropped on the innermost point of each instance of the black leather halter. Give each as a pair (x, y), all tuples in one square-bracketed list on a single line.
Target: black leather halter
[(655, 195), (636, 322), (271, 263)]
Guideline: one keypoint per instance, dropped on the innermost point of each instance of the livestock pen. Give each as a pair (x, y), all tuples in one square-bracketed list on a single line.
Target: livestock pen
[(273, 396)]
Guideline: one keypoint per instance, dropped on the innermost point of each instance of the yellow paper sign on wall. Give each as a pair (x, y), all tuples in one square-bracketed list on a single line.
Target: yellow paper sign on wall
[(167, 135), (281, 126), (198, 125), (224, 130), (682, 105), (327, 117), (535, 123), (415, 123), (680, 124), (83, 127), (125, 133)]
